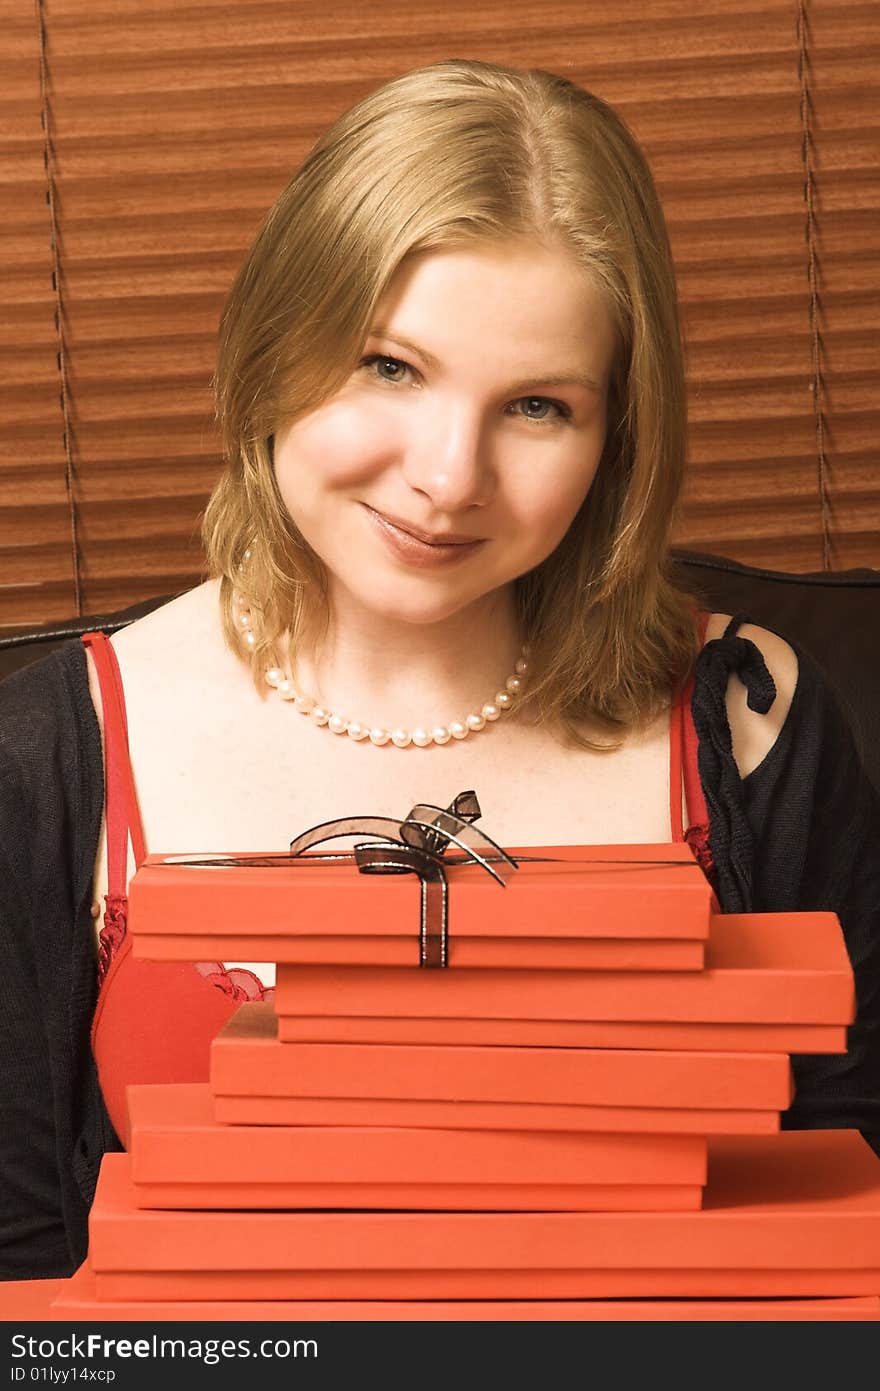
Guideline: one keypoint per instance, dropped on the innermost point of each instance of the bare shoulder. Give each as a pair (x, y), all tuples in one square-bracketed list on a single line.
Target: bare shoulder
[(190, 621), (753, 735), (183, 635)]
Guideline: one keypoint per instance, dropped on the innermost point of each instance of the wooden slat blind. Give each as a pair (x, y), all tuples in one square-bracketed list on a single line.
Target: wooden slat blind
[(37, 572), (173, 128), (845, 82)]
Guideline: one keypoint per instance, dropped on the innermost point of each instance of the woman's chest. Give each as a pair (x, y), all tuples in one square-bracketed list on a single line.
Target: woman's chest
[(200, 791)]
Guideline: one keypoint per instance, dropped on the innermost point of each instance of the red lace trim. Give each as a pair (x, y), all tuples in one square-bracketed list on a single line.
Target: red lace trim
[(697, 837), (239, 983), (112, 933)]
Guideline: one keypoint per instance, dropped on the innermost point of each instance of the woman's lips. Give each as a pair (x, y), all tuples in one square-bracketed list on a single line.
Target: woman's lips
[(415, 552)]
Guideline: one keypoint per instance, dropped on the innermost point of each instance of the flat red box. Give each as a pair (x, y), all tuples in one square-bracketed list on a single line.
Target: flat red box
[(247, 1059), (463, 1115), (761, 968), (28, 1300), (795, 1214), (579, 913), (77, 1300), (566, 1033), (181, 1157)]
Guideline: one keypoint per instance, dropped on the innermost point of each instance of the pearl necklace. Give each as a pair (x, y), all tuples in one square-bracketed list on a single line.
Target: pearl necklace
[(401, 738)]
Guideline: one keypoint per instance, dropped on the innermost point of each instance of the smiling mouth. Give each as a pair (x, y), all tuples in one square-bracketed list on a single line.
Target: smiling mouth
[(441, 543), (410, 550)]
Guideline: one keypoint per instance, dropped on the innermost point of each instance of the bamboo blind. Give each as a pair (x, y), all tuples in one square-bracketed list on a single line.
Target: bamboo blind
[(143, 140)]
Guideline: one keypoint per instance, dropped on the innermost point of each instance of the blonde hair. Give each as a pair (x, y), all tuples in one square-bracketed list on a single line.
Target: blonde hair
[(442, 156)]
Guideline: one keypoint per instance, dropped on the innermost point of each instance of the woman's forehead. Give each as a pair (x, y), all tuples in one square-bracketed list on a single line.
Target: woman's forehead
[(532, 304)]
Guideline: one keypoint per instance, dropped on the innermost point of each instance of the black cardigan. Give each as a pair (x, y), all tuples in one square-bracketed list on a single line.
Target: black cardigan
[(800, 832)]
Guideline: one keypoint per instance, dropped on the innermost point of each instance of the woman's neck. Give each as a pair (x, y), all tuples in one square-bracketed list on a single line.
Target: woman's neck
[(381, 671)]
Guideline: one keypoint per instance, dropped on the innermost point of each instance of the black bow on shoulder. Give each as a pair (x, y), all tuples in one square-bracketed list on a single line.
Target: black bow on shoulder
[(722, 785)]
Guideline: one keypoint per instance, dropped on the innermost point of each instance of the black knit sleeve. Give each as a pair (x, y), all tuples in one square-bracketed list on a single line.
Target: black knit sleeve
[(52, 1131), (32, 1232), (801, 833)]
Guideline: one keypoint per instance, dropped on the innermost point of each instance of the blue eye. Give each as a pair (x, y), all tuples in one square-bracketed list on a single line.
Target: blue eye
[(382, 360), (543, 404)]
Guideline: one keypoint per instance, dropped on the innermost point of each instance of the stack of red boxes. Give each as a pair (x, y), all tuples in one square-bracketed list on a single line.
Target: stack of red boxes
[(577, 1118)]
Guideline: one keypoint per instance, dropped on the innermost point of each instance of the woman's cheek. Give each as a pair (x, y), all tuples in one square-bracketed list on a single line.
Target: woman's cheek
[(344, 442), (547, 514)]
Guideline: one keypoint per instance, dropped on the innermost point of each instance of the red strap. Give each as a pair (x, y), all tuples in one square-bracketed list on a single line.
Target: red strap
[(683, 755), (676, 720), (698, 813), (121, 804)]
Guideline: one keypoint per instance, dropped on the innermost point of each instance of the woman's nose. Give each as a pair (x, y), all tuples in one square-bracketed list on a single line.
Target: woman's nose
[(447, 459)]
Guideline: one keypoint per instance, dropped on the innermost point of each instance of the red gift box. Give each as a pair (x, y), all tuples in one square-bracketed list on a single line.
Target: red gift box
[(566, 1033), (257, 1079), (762, 969), (463, 1115), (28, 1301), (795, 1214), (77, 1300), (181, 1157), (618, 907)]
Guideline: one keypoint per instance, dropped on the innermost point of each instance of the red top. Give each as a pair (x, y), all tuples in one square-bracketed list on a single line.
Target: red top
[(155, 1020)]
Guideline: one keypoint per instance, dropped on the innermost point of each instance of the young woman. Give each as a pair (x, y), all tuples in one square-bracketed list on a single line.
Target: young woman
[(451, 395)]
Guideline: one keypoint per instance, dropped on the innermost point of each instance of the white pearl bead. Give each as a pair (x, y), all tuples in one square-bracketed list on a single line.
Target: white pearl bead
[(250, 638), (244, 619), (401, 738), (247, 554)]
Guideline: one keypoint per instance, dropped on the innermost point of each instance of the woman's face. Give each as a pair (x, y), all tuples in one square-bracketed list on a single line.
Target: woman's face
[(478, 411)]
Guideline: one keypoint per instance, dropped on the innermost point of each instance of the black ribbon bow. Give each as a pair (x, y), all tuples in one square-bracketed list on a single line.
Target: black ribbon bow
[(417, 845)]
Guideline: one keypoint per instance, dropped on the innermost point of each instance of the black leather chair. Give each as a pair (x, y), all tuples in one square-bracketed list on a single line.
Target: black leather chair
[(835, 617)]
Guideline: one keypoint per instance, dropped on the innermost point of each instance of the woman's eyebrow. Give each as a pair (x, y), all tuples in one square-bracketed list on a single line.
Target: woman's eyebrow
[(563, 378)]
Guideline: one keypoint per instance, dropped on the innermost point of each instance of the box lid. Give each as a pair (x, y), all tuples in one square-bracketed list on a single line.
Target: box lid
[(246, 1057)]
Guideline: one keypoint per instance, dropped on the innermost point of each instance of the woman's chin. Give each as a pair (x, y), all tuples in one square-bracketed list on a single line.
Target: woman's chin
[(394, 607)]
